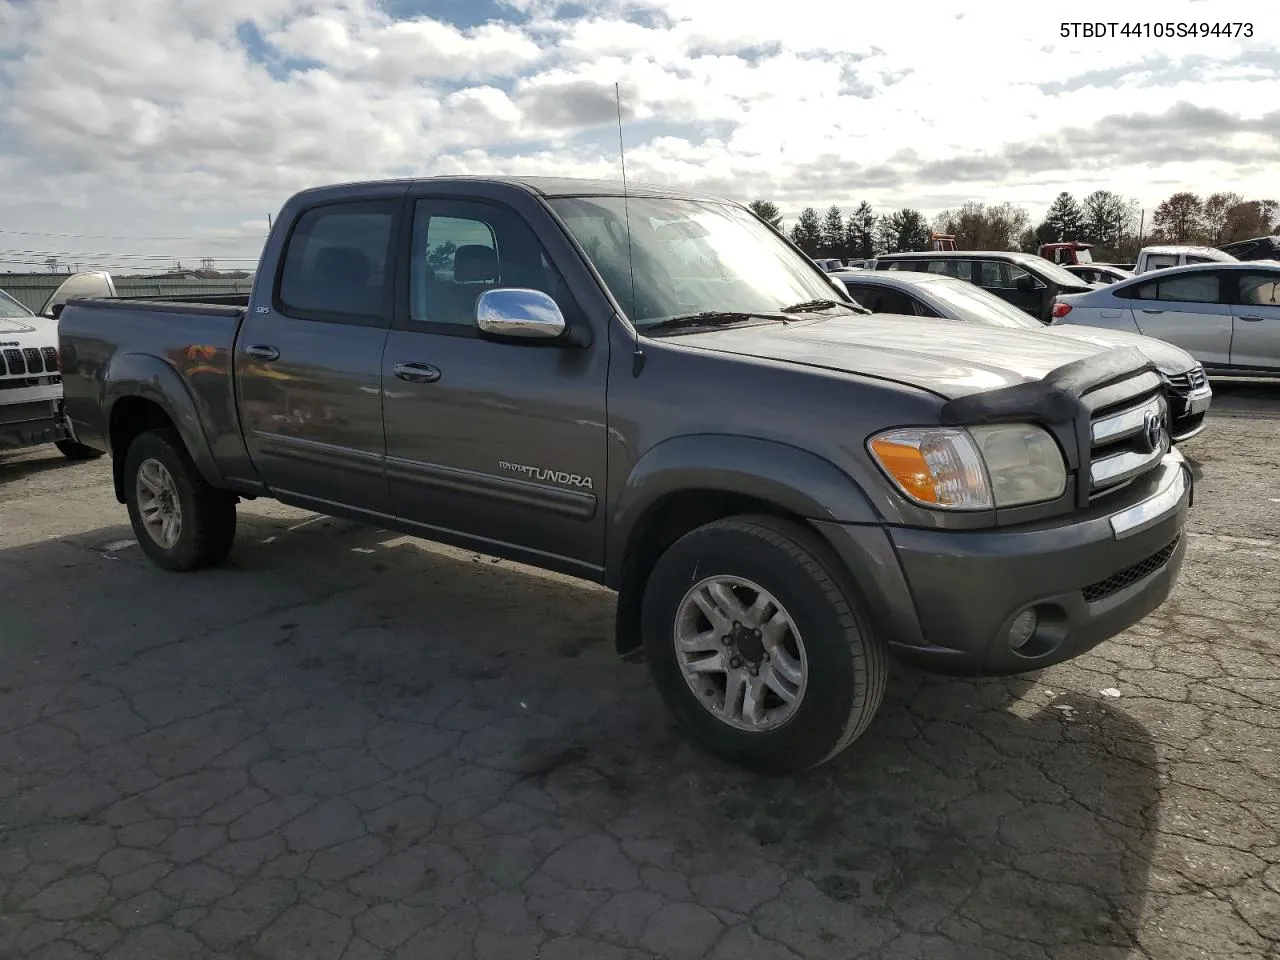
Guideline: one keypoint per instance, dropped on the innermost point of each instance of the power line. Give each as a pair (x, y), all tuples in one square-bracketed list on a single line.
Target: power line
[(135, 236), (68, 255)]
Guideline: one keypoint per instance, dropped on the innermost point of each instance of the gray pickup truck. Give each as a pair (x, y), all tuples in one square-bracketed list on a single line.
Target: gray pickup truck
[(655, 392)]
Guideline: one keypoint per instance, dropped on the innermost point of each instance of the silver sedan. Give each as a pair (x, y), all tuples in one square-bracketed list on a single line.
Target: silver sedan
[(1226, 315), (937, 295)]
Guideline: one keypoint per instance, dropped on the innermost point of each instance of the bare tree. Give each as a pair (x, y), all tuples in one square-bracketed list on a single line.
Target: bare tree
[(977, 226), (1180, 218), (1216, 215)]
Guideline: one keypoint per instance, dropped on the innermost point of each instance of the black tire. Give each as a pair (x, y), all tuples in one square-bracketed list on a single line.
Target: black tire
[(208, 526), (76, 451), (848, 660)]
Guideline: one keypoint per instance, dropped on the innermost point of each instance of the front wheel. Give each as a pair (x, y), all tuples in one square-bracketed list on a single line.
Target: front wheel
[(181, 522), (76, 451), (762, 654)]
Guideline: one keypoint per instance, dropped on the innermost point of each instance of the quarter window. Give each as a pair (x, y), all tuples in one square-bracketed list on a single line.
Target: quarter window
[(337, 263)]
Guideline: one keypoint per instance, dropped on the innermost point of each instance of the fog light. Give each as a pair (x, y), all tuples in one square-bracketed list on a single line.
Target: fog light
[(1022, 629)]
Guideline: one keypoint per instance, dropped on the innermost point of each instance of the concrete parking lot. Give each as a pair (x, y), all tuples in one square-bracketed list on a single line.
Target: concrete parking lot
[(350, 744)]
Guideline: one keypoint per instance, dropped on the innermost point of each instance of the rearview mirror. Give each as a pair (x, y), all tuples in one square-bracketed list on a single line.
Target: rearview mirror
[(513, 313)]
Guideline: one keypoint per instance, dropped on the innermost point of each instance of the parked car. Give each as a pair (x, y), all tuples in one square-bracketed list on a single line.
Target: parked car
[(1162, 257), (1023, 279), (1098, 272), (31, 384), (934, 295), (1259, 248), (657, 392), (1226, 315), (829, 264)]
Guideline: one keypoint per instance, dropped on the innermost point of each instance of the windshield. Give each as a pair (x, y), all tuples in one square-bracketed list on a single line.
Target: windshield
[(687, 257), (1051, 271), (976, 305), (11, 309)]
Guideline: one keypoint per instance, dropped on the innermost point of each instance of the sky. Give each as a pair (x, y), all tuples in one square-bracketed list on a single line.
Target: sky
[(136, 132)]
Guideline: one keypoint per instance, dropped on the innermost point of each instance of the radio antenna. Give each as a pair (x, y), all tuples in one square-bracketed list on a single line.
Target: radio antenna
[(637, 358)]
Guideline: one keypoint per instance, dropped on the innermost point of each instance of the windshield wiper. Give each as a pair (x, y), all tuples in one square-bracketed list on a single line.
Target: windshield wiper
[(807, 306), (712, 318)]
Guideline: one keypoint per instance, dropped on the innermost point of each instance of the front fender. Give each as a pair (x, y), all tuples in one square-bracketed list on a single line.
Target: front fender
[(150, 378), (796, 480)]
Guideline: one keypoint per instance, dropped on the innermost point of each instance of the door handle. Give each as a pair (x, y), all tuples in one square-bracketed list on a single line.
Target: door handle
[(417, 372), (262, 351), (1145, 310), (1251, 317)]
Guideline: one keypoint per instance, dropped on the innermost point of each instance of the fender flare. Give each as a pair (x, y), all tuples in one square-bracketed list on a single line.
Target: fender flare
[(794, 479), (150, 378)]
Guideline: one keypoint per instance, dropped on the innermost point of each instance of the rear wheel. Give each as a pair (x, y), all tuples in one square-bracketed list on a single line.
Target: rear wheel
[(76, 451), (762, 655), (181, 522)]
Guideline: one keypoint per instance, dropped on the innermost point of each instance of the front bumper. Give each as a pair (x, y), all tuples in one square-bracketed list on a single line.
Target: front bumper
[(1189, 412), (31, 423), (950, 599)]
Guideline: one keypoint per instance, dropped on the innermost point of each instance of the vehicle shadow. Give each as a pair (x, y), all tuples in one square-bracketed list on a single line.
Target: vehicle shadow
[(975, 817), (17, 464)]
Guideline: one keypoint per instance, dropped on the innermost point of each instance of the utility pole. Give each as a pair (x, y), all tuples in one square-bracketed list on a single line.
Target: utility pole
[(1142, 226)]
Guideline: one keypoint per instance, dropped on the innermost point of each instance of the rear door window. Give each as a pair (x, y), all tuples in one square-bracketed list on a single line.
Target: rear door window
[(1189, 288), (337, 264)]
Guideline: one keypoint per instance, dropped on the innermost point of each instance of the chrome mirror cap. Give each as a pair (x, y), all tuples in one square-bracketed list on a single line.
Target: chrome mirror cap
[(517, 313)]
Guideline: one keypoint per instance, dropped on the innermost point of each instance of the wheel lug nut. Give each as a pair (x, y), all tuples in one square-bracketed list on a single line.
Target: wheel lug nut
[(736, 662)]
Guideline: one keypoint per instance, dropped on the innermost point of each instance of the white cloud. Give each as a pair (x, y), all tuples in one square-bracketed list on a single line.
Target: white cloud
[(190, 117)]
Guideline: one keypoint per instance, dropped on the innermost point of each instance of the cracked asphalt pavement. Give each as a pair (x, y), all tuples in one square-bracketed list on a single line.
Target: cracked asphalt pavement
[(347, 745)]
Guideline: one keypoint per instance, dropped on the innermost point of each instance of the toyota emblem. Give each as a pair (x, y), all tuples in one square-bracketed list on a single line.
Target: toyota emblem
[(1153, 431)]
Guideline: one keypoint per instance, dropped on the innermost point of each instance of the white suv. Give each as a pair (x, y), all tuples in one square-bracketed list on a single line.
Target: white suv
[(31, 383)]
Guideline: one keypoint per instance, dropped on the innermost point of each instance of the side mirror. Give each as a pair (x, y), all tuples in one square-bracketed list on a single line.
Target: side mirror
[(56, 310), (513, 313), (1025, 285)]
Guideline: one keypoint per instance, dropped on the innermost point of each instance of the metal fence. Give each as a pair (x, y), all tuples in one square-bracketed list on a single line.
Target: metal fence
[(34, 289)]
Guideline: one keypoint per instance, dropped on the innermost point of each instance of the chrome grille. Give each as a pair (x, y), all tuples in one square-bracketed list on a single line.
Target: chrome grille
[(1193, 379), (1127, 437)]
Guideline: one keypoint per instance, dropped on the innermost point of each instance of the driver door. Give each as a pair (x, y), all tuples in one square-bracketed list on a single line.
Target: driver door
[(1011, 283), (497, 445)]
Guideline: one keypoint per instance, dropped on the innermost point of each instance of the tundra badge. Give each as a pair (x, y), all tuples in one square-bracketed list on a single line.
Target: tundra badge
[(547, 475)]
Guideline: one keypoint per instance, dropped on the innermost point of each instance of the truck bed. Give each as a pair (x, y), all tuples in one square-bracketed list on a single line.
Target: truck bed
[(127, 340)]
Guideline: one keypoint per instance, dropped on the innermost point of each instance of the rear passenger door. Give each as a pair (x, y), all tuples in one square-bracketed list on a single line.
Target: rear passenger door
[(1189, 310), (1255, 309), (309, 359)]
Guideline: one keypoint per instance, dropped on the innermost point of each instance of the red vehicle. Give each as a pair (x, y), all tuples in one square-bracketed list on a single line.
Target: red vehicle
[(1072, 252), (941, 241)]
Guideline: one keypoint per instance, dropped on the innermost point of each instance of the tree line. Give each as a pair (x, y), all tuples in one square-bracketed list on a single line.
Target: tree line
[(1114, 225)]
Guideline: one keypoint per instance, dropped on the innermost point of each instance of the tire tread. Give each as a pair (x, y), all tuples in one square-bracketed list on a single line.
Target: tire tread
[(214, 520)]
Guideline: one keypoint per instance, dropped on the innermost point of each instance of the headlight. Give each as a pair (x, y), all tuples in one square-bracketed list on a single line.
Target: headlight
[(1004, 465)]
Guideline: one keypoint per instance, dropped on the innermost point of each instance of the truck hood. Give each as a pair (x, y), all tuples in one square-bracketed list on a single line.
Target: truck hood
[(1168, 359), (942, 356)]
